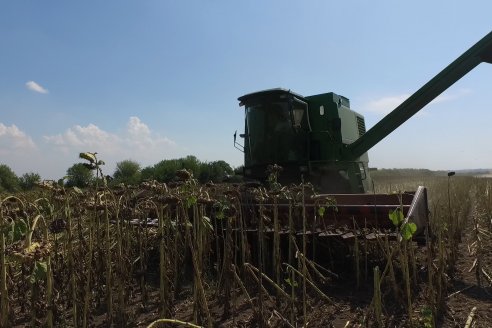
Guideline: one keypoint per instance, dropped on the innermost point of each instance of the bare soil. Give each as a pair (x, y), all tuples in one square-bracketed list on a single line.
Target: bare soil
[(352, 305), (465, 294)]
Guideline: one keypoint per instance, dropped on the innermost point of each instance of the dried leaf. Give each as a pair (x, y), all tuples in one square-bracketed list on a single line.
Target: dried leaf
[(88, 156)]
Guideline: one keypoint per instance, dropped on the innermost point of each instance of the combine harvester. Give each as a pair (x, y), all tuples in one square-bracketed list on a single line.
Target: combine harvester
[(320, 140)]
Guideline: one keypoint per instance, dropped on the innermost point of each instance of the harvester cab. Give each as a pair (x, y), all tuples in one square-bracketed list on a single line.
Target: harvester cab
[(305, 136), (319, 139)]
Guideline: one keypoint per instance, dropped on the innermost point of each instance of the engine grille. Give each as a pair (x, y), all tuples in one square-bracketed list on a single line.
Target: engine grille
[(361, 125)]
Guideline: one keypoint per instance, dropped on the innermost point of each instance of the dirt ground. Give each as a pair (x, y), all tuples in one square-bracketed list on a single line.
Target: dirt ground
[(464, 295), (349, 306), (352, 304)]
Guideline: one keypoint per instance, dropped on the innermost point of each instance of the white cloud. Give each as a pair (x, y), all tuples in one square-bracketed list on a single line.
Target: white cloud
[(92, 138), (86, 138), (447, 96), (33, 86), (139, 135), (12, 140), (58, 152), (136, 142), (17, 149), (384, 105), (136, 128)]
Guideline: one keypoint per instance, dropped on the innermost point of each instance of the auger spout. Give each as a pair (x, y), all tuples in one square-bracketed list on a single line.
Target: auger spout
[(478, 53)]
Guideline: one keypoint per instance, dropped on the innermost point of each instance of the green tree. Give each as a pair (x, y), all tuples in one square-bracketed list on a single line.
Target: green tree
[(215, 171), (191, 163), (148, 173), (78, 175), (28, 180), (165, 170), (128, 172), (8, 179)]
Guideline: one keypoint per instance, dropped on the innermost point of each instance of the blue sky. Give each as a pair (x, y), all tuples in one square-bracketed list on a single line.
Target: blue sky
[(153, 80)]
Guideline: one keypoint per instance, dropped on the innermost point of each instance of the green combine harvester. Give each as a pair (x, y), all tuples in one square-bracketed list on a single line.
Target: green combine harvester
[(319, 139)]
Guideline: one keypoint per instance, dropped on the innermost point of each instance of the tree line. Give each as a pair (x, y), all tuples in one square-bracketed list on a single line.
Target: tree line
[(128, 172)]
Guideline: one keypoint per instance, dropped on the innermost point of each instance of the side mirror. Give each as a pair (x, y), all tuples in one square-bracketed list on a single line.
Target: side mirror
[(237, 145)]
